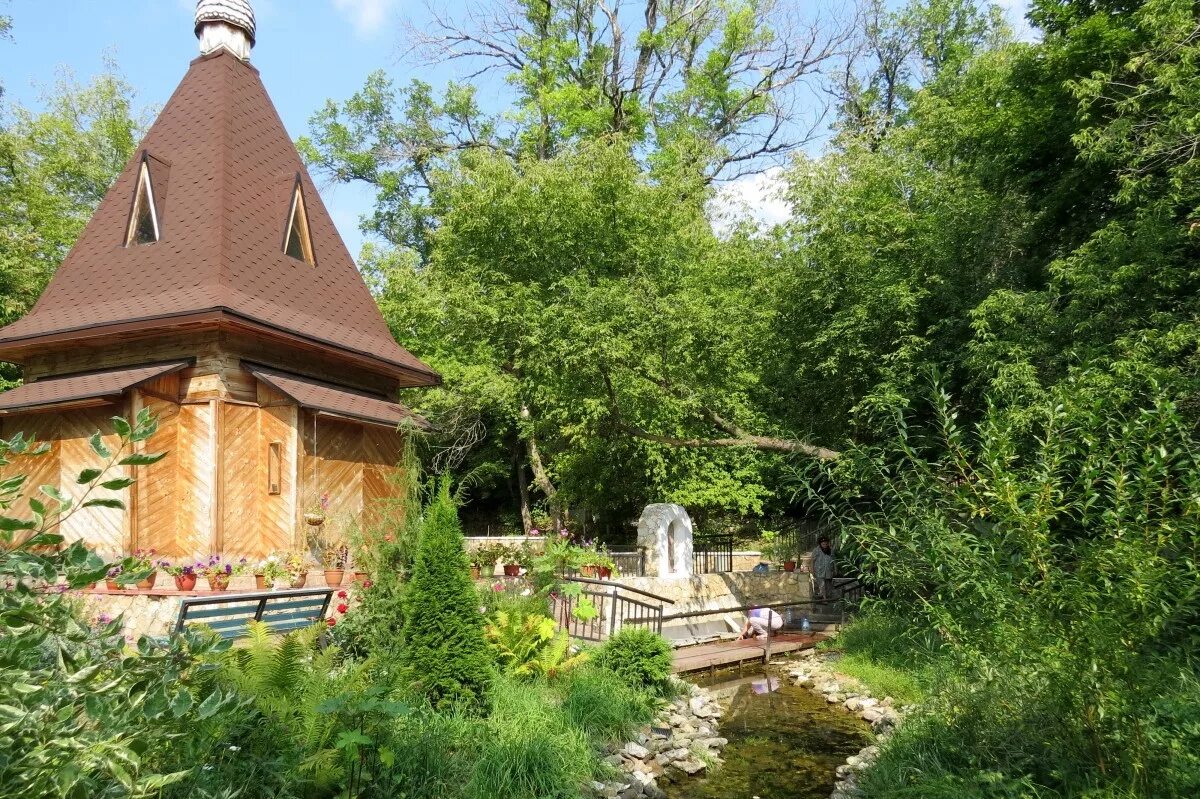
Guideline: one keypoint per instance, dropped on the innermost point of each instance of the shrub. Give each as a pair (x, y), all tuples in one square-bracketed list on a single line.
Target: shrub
[(530, 646), (639, 657), (601, 704), (443, 644), (531, 750)]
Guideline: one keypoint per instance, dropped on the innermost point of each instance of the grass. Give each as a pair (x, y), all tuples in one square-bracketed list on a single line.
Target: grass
[(603, 706), (882, 680)]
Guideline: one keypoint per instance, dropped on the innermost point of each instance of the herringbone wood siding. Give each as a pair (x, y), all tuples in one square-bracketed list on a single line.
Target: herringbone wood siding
[(103, 528), (277, 513), (241, 489), (39, 470), (196, 480), (157, 509), (382, 448)]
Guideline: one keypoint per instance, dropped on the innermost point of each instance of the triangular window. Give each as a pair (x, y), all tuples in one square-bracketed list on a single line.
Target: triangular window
[(143, 222), (298, 243)]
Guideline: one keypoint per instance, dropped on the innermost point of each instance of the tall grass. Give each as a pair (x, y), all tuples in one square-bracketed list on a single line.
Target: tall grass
[(599, 702), (531, 750)]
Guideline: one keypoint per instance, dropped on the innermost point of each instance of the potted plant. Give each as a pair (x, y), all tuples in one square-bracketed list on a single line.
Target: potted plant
[(272, 571), (295, 565), (333, 559), (219, 572), (512, 562), (142, 560), (315, 515), (606, 567), (476, 570), (488, 555), (110, 581), (185, 576)]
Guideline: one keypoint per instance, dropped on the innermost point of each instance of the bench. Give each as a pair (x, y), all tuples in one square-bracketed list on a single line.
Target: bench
[(281, 611)]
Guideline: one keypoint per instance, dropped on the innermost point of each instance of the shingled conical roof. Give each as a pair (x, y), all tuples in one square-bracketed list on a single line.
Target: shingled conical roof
[(223, 175)]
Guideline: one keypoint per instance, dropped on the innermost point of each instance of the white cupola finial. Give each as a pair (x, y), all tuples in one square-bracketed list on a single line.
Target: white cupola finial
[(225, 23)]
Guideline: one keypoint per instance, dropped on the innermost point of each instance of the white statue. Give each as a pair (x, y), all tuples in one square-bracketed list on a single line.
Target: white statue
[(665, 532)]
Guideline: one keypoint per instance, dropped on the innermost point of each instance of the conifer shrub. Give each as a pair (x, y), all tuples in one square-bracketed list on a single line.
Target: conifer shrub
[(642, 659), (443, 645)]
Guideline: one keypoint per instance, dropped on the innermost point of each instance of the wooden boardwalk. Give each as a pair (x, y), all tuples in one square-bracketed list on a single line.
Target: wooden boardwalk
[(732, 653)]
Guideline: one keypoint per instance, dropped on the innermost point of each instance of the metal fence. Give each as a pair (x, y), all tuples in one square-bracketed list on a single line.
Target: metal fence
[(600, 608), (712, 554)]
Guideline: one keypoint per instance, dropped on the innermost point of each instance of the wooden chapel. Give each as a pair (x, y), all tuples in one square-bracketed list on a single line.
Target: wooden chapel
[(212, 287)]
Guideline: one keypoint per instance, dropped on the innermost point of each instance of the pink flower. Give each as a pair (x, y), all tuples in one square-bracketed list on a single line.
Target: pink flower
[(535, 531), (497, 587), (564, 533), (366, 583)]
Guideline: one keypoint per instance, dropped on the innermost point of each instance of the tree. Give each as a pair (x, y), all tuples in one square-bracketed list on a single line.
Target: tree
[(55, 167), (443, 645)]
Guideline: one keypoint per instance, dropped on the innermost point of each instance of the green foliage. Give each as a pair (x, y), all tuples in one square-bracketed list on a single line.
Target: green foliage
[(430, 755), (443, 645), (641, 658), (603, 705), (55, 166), (324, 706), (530, 750), (80, 714), (530, 646), (1052, 553)]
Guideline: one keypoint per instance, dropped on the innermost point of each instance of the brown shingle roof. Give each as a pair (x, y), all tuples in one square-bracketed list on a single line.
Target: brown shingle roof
[(91, 385), (223, 170), (315, 395)]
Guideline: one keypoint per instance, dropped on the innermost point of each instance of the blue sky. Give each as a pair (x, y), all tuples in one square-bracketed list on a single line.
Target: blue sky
[(307, 51)]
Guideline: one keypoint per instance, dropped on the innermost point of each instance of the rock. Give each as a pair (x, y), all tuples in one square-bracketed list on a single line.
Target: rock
[(636, 751), (705, 729), (662, 759), (633, 791), (871, 716), (642, 778), (701, 708), (868, 701), (715, 743), (690, 767), (677, 754), (806, 682), (853, 704), (614, 760), (833, 699), (677, 720)]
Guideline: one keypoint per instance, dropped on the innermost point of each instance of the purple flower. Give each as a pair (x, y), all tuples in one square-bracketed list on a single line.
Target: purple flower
[(228, 569), (535, 531), (104, 618)]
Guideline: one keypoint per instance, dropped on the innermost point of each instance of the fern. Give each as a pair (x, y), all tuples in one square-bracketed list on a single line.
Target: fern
[(530, 646)]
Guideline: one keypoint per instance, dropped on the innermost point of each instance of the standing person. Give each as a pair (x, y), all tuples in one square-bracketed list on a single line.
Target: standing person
[(822, 568), (758, 622)]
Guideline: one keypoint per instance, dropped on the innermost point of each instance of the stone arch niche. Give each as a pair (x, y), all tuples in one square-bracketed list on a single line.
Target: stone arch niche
[(665, 533)]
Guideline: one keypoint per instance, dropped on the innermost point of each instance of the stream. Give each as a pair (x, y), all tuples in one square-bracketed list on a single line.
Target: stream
[(784, 742)]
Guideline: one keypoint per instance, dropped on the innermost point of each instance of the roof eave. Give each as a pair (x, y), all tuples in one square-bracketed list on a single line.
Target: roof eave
[(16, 349)]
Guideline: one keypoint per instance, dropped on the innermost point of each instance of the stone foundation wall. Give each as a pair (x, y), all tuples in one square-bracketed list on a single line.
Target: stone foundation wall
[(143, 613), (714, 591)]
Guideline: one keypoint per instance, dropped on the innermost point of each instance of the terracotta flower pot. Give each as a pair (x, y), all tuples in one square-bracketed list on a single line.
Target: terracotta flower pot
[(334, 576), (604, 572), (789, 565), (148, 583), (112, 585), (298, 582), (315, 519), (218, 582), (260, 582), (512, 569), (476, 572), (588, 571), (360, 577), (185, 582)]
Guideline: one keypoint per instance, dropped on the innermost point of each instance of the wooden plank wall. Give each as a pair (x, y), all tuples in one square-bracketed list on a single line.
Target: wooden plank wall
[(195, 461), (278, 421), (355, 464), (156, 510), (106, 529), (39, 470)]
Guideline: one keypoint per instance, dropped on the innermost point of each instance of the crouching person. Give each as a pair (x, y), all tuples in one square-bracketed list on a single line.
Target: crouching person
[(760, 621)]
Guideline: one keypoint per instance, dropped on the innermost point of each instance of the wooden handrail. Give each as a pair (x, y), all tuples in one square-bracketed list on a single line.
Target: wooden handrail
[(744, 608)]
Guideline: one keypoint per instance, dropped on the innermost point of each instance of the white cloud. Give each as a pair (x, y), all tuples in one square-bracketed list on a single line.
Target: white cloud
[(368, 16), (754, 198)]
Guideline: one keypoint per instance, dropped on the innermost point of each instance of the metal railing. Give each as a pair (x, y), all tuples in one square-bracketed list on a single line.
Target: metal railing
[(712, 554), (600, 608)]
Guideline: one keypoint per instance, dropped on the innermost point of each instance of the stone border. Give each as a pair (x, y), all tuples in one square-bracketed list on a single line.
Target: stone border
[(884, 715), (681, 742)]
